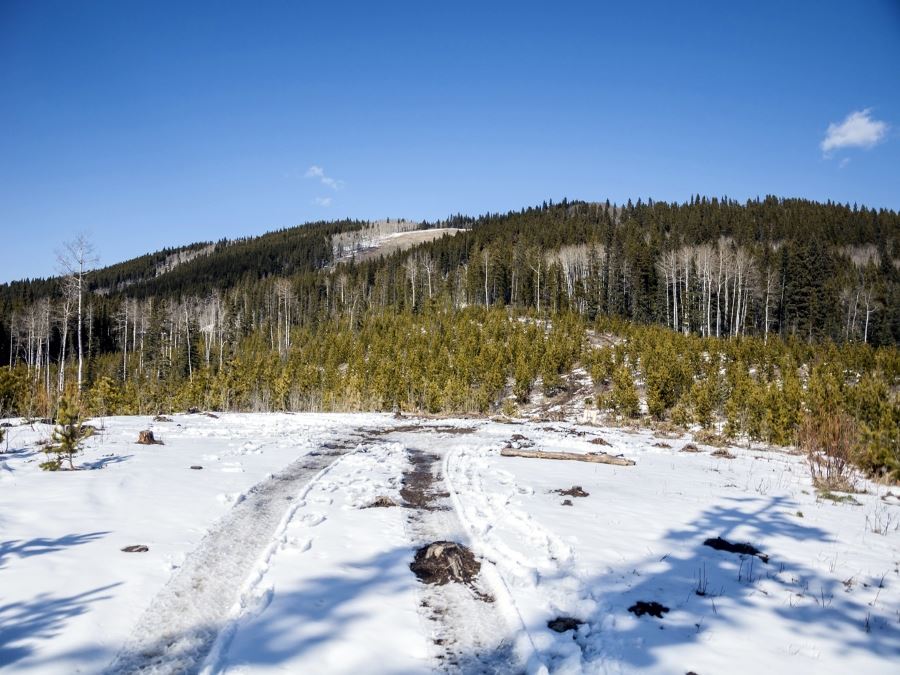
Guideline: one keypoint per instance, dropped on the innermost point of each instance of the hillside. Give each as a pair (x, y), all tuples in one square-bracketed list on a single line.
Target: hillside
[(744, 321)]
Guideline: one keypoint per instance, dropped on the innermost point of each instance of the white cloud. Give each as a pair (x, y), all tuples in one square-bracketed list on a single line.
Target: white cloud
[(314, 172), (322, 201), (858, 130), (318, 172)]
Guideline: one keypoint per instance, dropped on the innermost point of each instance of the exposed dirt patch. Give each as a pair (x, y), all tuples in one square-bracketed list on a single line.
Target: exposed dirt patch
[(136, 548), (567, 502), (444, 561), (690, 447), (196, 467), (418, 482), (563, 623), (653, 608), (381, 503), (519, 442), (162, 418), (574, 491), (720, 544), (660, 444), (601, 441), (722, 454)]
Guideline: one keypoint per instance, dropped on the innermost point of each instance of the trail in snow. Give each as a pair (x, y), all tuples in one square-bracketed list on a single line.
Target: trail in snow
[(469, 626), (179, 627)]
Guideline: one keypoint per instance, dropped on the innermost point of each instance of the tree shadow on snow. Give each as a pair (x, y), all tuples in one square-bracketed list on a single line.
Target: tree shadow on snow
[(42, 618), (103, 462), (810, 603), (295, 622), (26, 548)]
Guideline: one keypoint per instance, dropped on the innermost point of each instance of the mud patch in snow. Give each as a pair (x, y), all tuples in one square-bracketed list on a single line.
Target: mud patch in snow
[(418, 482), (563, 623), (652, 608), (443, 562), (719, 544)]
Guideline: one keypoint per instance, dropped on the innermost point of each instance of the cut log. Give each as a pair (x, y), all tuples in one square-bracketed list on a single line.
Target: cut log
[(596, 457)]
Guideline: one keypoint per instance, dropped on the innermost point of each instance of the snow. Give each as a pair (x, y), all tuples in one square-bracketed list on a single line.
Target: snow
[(268, 560)]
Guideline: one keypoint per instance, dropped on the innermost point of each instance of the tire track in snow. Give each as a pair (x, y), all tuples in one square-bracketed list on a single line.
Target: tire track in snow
[(179, 628)]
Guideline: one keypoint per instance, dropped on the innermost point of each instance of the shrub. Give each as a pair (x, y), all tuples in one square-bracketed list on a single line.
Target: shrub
[(830, 443)]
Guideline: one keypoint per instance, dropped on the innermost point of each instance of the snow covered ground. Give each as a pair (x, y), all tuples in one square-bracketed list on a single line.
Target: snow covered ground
[(268, 559)]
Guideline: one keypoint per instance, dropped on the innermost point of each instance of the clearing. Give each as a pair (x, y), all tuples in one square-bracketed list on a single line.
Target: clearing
[(284, 543)]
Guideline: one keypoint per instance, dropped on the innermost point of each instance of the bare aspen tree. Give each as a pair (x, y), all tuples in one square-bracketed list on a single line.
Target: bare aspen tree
[(486, 257), (870, 309), (76, 260), (65, 315), (284, 294), (771, 281), (536, 268), (412, 268)]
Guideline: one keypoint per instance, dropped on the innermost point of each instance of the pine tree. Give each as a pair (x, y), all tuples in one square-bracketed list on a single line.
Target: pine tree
[(624, 397), (66, 438)]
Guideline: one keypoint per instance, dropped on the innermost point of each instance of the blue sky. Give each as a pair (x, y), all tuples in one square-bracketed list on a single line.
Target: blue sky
[(149, 124)]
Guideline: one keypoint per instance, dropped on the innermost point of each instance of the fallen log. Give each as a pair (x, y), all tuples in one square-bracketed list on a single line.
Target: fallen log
[(596, 457)]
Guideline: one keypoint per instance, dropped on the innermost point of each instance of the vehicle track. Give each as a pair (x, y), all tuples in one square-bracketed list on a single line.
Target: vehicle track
[(178, 629)]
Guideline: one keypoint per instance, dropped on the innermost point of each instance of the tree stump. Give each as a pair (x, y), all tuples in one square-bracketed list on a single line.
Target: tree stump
[(146, 438)]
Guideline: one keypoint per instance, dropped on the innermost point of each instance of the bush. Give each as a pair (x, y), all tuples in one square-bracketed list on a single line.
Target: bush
[(830, 444)]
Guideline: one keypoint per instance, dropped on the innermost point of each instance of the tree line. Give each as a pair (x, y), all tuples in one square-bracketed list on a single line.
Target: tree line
[(255, 324)]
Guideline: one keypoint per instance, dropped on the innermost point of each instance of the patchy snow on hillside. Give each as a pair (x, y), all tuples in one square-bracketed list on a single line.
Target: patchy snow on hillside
[(290, 551)]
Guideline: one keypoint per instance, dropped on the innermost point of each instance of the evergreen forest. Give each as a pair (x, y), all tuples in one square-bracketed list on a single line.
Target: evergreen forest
[(745, 321)]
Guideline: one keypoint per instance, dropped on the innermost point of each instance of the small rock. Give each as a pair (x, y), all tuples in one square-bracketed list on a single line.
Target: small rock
[(196, 467), (567, 502), (382, 502), (136, 548)]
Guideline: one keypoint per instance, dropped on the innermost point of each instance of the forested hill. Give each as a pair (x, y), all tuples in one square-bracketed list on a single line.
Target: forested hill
[(200, 267), (710, 266)]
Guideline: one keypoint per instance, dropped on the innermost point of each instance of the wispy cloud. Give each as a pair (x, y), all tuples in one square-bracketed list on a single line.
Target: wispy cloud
[(317, 172), (858, 130), (322, 201)]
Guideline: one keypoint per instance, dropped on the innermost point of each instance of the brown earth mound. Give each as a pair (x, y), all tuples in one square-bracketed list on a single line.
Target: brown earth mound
[(444, 561)]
